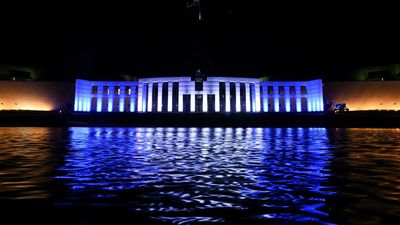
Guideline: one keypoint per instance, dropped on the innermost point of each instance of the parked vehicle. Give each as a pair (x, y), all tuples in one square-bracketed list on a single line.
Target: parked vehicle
[(341, 108)]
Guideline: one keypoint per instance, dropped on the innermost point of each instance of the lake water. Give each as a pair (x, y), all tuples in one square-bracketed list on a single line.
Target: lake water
[(83, 175)]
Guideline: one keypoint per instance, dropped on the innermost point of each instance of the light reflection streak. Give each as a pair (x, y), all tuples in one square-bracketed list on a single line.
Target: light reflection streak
[(204, 168)]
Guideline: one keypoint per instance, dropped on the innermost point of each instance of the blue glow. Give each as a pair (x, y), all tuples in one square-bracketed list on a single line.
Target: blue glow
[(276, 104), (205, 101), (192, 105), (132, 105), (279, 169), (150, 98), (180, 102), (247, 91), (159, 97), (217, 103), (287, 104), (227, 98), (237, 88), (298, 104), (110, 104), (121, 104), (144, 97), (170, 96), (99, 105), (80, 105), (265, 103)]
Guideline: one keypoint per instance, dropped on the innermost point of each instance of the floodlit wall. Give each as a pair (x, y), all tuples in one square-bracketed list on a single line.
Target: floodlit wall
[(364, 95), (184, 94), (35, 95), (105, 96), (291, 96)]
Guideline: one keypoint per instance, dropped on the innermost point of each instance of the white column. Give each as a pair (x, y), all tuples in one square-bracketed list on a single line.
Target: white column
[(76, 102), (170, 96), (257, 96), (276, 98), (287, 98), (110, 98), (99, 98), (309, 98), (180, 101), (180, 97), (321, 96), (247, 91), (217, 103), (227, 97), (150, 97), (140, 97), (205, 103), (145, 96), (298, 99), (159, 97), (192, 102), (237, 86), (264, 97)]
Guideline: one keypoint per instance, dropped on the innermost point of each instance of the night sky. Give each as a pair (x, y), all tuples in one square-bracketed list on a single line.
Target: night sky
[(162, 38)]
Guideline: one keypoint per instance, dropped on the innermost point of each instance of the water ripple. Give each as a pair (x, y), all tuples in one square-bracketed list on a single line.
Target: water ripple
[(209, 175)]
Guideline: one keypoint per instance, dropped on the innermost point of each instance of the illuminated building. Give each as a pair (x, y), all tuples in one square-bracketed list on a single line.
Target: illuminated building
[(208, 94)]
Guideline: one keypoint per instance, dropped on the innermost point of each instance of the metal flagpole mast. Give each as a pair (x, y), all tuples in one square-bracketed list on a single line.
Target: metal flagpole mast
[(198, 4)]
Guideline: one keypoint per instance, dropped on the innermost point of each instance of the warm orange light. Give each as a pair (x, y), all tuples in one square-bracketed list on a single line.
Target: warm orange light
[(26, 104), (368, 95)]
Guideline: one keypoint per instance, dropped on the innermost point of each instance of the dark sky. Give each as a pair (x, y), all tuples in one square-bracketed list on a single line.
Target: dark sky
[(236, 38)]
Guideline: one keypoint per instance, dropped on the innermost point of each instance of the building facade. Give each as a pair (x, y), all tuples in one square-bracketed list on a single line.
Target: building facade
[(187, 94)]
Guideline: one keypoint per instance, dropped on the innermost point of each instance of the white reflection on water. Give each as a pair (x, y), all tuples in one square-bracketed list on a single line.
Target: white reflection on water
[(181, 170)]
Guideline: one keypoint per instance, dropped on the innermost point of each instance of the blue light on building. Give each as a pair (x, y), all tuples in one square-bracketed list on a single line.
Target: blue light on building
[(183, 94)]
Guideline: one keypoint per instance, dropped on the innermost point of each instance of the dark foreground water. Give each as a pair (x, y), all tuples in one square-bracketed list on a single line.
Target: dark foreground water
[(199, 176)]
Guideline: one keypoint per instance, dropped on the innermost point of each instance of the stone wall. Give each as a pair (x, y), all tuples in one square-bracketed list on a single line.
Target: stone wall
[(364, 95), (36, 95)]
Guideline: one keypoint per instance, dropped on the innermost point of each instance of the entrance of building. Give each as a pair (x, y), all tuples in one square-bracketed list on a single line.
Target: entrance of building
[(211, 103), (199, 103), (186, 103)]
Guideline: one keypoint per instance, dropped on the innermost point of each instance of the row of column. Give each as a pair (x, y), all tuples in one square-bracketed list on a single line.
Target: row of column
[(120, 97), (145, 97), (140, 97), (276, 96)]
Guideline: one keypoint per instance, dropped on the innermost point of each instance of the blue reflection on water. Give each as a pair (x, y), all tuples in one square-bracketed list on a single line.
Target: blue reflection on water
[(271, 174)]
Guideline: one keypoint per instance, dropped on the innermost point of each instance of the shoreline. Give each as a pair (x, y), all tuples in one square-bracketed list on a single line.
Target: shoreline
[(373, 119)]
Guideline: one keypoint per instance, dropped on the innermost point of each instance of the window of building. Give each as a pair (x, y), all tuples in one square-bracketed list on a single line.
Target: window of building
[(117, 90), (222, 90), (198, 86), (281, 90), (128, 90), (292, 90), (106, 91), (154, 96), (94, 89), (242, 97), (303, 90), (144, 96), (270, 90), (175, 96), (252, 97), (164, 97), (232, 92)]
